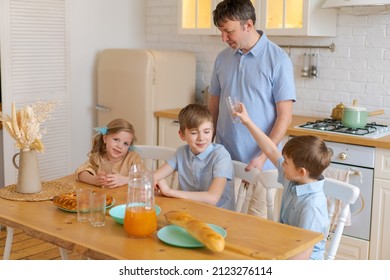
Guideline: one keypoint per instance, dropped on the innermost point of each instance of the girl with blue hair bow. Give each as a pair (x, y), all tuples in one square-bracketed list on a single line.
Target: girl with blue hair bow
[(111, 156)]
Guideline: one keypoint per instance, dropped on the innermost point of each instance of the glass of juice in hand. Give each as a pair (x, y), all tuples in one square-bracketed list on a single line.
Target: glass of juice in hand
[(140, 216)]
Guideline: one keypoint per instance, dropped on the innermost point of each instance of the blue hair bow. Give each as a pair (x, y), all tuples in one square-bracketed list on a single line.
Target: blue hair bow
[(101, 130)]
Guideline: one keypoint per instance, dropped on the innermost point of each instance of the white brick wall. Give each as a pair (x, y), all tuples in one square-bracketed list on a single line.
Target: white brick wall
[(358, 69)]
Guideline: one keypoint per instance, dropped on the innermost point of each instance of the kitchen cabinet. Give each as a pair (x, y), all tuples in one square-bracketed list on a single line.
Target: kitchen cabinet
[(195, 17), (380, 228), (168, 135), (296, 18), (275, 18), (352, 249)]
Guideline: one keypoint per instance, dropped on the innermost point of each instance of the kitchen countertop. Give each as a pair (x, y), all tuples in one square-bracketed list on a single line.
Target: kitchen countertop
[(383, 142)]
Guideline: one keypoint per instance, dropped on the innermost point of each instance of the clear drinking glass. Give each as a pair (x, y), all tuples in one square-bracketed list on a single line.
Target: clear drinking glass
[(83, 205), (105, 168), (97, 208), (140, 216), (233, 103)]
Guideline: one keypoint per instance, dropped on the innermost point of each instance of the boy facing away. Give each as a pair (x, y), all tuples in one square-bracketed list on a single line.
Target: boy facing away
[(205, 170), (300, 166)]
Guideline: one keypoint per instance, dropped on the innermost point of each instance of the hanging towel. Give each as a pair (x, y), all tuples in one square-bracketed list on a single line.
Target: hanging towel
[(341, 175)]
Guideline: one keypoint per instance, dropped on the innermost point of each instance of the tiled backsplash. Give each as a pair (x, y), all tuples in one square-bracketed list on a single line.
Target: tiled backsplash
[(359, 68)]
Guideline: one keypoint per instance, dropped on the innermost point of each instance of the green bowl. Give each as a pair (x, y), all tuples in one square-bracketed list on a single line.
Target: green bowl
[(118, 212)]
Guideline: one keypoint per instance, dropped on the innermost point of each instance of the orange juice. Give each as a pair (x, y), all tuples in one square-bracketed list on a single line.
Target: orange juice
[(140, 222)]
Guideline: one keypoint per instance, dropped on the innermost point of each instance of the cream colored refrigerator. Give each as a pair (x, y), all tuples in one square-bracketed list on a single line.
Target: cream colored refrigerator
[(134, 83)]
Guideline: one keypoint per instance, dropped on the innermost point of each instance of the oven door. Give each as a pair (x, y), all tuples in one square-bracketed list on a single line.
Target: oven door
[(363, 178)]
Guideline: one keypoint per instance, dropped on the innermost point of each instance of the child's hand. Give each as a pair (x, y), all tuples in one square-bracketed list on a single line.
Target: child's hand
[(114, 180), (101, 178), (242, 113), (163, 186)]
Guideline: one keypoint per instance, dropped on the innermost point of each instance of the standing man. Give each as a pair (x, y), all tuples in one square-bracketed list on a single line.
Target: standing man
[(260, 74)]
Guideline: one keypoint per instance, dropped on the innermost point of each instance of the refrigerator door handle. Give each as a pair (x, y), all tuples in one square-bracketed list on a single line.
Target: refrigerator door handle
[(102, 108)]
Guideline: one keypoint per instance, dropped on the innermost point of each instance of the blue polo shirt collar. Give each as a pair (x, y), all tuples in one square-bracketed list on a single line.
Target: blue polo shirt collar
[(204, 154), (309, 188), (258, 47)]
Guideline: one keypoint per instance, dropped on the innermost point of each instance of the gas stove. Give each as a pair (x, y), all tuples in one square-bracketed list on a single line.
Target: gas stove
[(371, 130)]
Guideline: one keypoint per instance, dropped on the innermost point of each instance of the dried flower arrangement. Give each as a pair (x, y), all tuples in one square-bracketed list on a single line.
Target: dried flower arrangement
[(24, 124)]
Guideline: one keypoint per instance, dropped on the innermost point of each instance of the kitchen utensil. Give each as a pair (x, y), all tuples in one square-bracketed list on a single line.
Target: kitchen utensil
[(337, 112), (356, 117)]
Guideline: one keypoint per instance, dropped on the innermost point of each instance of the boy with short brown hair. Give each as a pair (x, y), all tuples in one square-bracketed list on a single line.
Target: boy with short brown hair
[(300, 166), (205, 169)]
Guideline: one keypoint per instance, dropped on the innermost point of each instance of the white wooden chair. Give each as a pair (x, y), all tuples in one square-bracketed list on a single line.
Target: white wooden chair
[(346, 194), (244, 182), (269, 180), (341, 196), (154, 156)]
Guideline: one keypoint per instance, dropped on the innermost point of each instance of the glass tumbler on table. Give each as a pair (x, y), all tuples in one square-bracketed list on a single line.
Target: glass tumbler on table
[(140, 215), (83, 205), (97, 208)]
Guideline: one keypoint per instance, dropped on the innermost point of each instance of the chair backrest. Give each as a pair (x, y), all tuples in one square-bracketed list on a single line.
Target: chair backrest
[(269, 180), (154, 156), (243, 185), (340, 196)]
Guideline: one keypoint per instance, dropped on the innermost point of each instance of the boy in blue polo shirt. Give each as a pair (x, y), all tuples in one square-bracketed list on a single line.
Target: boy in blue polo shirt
[(300, 166), (205, 169)]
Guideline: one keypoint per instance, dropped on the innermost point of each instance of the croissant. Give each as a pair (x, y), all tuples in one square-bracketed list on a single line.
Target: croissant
[(68, 201)]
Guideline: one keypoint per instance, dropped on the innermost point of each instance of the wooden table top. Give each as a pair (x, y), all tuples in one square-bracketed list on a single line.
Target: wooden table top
[(248, 237)]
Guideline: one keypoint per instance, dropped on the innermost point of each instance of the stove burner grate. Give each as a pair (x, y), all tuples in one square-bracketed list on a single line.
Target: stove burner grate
[(337, 126)]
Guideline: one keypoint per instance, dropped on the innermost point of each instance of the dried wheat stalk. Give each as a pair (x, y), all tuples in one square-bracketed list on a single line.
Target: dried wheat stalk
[(24, 124)]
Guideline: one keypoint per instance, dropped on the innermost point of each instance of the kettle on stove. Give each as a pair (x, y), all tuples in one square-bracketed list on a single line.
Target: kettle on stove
[(337, 112)]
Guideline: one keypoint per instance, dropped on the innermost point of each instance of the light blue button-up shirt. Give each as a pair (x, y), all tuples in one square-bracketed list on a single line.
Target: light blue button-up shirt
[(305, 206), (196, 172)]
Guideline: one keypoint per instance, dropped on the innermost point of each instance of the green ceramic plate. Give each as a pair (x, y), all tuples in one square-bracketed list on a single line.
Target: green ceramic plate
[(178, 236), (118, 213)]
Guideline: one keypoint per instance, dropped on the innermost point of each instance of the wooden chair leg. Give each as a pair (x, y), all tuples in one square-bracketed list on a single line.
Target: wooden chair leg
[(8, 243)]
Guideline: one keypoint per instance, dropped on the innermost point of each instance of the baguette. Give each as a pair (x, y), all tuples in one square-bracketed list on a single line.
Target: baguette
[(198, 229)]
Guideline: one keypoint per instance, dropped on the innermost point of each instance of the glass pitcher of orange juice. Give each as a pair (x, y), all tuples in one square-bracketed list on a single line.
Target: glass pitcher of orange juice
[(140, 216)]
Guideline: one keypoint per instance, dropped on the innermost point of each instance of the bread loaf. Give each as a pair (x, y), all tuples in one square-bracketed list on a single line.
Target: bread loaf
[(198, 229)]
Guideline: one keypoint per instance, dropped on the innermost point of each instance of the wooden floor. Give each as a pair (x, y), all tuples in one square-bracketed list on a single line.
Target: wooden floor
[(26, 248)]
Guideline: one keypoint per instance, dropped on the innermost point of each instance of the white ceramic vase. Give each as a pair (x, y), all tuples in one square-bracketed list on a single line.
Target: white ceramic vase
[(29, 180)]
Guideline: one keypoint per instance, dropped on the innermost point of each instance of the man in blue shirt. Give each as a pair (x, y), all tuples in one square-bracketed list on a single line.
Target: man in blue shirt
[(259, 74)]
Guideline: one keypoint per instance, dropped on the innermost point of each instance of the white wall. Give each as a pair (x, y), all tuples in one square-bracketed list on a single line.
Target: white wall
[(96, 25), (359, 67)]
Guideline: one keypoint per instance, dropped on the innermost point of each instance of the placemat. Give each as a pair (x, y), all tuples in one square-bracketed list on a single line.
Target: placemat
[(49, 190)]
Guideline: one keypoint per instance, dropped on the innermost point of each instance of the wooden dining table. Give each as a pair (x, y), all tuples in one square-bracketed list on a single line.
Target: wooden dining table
[(248, 237)]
